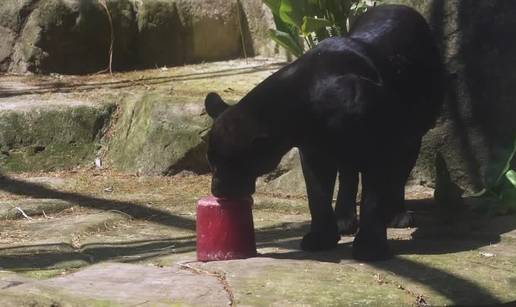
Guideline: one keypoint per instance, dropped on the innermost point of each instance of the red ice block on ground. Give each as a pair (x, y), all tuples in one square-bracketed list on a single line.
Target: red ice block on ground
[(225, 229)]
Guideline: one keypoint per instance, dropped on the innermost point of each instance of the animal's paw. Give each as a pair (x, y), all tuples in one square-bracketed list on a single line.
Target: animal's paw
[(402, 220), (318, 241), (369, 248), (348, 225)]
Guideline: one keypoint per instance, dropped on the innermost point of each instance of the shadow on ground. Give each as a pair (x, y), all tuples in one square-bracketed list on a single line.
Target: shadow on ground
[(431, 237), (136, 211)]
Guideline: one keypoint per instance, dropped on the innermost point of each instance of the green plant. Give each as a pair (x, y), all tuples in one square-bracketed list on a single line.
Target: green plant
[(500, 190), (301, 24)]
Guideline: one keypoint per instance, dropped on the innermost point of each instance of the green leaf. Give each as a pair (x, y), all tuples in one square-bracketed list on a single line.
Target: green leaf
[(312, 24), (511, 176), (286, 41), (292, 13), (508, 161), (274, 5)]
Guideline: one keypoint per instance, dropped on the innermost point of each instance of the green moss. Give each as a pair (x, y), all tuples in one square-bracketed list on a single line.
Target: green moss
[(291, 283), (155, 132), (49, 297), (50, 139), (56, 156), (43, 274)]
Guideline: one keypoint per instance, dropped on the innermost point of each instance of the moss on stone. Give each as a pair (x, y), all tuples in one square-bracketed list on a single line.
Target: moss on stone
[(51, 297), (155, 132), (42, 274), (51, 138)]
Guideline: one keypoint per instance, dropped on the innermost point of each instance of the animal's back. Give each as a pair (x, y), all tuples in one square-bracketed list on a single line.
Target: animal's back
[(404, 50), (393, 30)]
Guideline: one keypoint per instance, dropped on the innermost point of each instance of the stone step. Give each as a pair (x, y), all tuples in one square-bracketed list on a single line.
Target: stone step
[(147, 122), (48, 133)]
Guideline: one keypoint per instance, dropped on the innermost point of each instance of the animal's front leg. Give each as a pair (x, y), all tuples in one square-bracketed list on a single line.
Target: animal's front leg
[(320, 173)]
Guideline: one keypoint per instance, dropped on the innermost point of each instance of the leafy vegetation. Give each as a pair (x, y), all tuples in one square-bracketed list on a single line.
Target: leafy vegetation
[(301, 24), (500, 191)]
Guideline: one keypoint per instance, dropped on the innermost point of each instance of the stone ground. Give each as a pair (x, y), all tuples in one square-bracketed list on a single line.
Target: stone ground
[(97, 237)]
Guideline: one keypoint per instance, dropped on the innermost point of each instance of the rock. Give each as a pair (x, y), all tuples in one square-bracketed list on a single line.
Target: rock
[(74, 37), (54, 122), (12, 16), (287, 179), (40, 135), (160, 34), (447, 195), (476, 132), (256, 20), (124, 284), (158, 135), (173, 32), (6, 47), (211, 29)]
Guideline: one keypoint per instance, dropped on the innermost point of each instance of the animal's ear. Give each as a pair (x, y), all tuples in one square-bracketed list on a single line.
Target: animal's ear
[(214, 105)]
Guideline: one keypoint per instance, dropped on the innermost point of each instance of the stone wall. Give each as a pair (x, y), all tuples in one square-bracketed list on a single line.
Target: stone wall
[(478, 128), (475, 133), (73, 36)]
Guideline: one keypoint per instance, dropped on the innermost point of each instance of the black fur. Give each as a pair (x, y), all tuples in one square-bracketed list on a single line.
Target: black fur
[(355, 104)]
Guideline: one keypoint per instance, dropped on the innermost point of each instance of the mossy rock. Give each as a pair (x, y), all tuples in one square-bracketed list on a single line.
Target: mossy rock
[(160, 34), (212, 29), (51, 137), (476, 131), (74, 37), (159, 135)]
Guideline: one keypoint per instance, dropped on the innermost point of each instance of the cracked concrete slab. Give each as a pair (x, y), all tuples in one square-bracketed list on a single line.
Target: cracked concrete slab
[(129, 284)]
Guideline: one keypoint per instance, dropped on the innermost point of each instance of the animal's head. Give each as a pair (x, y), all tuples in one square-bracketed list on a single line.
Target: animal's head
[(240, 148)]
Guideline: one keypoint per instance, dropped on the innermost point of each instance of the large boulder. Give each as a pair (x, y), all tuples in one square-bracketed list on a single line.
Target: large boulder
[(157, 134), (256, 20), (72, 36), (161, 37), (211, 29), (6, 47), (12, 17), (477, 130)]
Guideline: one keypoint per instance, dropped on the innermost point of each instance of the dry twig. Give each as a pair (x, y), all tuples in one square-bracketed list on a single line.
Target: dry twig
[(23, 213)]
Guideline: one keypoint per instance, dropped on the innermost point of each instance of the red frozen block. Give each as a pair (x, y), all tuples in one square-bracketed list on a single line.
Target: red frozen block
[(225, 229)]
